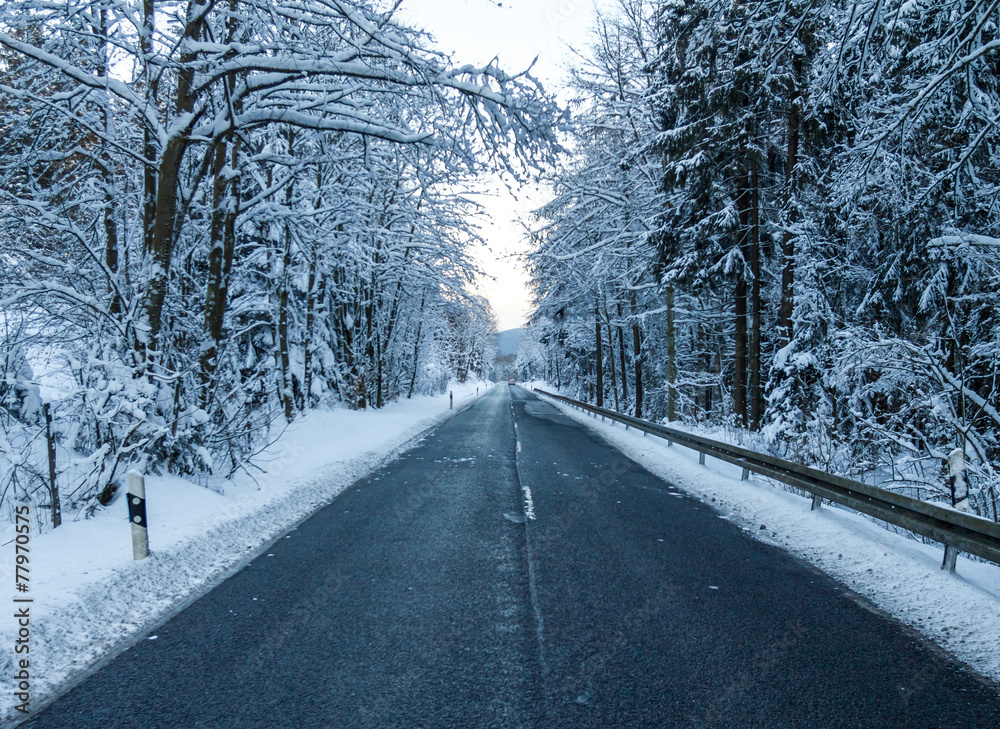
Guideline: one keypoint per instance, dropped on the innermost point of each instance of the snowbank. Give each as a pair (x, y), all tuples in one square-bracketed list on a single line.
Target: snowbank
[(960, 612), (90, 600)]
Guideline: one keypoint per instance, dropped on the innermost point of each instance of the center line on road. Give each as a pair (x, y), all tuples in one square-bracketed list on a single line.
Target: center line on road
[(529, 505)]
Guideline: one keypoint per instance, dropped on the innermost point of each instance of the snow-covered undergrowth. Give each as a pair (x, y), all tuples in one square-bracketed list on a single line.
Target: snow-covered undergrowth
[(960, 612), (90, 599)]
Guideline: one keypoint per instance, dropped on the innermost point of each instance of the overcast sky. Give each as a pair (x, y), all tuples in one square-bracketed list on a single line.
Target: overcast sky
[(517, 31)]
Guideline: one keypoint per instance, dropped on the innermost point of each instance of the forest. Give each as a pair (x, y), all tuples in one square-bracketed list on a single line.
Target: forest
[(218, 214), (774, 220), (779, 223)]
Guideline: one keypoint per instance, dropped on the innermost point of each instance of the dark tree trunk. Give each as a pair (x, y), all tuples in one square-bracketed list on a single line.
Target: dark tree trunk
[(637, 361), (743, 205), (756, 387), (148, 145), (598, 357), (621, 359), (311, 295), (108, 176), (225, 208), (287, 389), (283, 344), (168, 180), (671, 358), (708, 371), (379, 402), (416, 347), (212, 327), (611, 360), (785, 326)]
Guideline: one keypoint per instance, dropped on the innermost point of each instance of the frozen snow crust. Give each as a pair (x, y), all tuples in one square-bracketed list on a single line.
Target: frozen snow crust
[(91, 601), (959, 612)]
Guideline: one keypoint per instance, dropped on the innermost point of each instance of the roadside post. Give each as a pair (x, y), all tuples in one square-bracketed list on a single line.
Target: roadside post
[(137, 515), (959, 486), (451, 400)]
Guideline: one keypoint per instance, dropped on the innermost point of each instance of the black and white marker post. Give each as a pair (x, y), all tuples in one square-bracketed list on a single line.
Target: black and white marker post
[(137, 514)]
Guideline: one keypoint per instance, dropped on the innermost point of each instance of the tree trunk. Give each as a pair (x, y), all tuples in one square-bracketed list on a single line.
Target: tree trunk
[(708, 371), (598, 357), (621, 358), (167, 183), (785, 326), (756, 388), (416, 346), (743, 204), (107, 167), (370, 334), (379, 402), (671, 358), (611, 360), (225, 209), (212, 327), (637, 361), (148, 144), (283, 353), (287, 390), (311, 296)]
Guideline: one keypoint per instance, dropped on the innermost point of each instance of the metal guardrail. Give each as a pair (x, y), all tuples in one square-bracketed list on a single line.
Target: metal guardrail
[(955, 529)]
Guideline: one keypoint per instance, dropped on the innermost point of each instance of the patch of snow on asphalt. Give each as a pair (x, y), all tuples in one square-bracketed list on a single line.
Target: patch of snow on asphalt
[(960, 612)]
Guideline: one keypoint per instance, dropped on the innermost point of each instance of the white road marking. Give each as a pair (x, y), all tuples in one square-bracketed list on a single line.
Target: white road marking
[(529, 505)]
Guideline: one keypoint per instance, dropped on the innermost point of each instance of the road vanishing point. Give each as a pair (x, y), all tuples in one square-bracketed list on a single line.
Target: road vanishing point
[(512, 569)]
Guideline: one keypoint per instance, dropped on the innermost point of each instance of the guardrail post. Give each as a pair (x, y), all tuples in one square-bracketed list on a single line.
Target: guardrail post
[(959, 499), (451, 400), (745, 476), (137, 515), (701, 458), (950, 560), (817, 502)]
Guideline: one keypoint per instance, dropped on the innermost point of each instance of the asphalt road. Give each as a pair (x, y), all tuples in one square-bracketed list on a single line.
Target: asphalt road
[(428, 596)]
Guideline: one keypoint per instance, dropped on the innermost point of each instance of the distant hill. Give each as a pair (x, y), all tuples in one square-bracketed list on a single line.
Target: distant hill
[(507, 342)]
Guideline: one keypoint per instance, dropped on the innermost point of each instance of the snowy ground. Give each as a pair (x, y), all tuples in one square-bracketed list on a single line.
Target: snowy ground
[(959, 612), (90, 600)]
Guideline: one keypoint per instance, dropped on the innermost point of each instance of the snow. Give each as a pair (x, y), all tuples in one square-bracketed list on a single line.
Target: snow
[(91, 600), (960, 612)]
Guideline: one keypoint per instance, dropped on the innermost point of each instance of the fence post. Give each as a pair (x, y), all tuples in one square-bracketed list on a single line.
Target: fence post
[(959, 499), (53, 486), (137, 515)]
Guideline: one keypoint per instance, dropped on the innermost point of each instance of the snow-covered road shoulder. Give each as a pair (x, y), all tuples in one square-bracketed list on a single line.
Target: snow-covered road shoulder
[(90, 600), (959, 612)]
